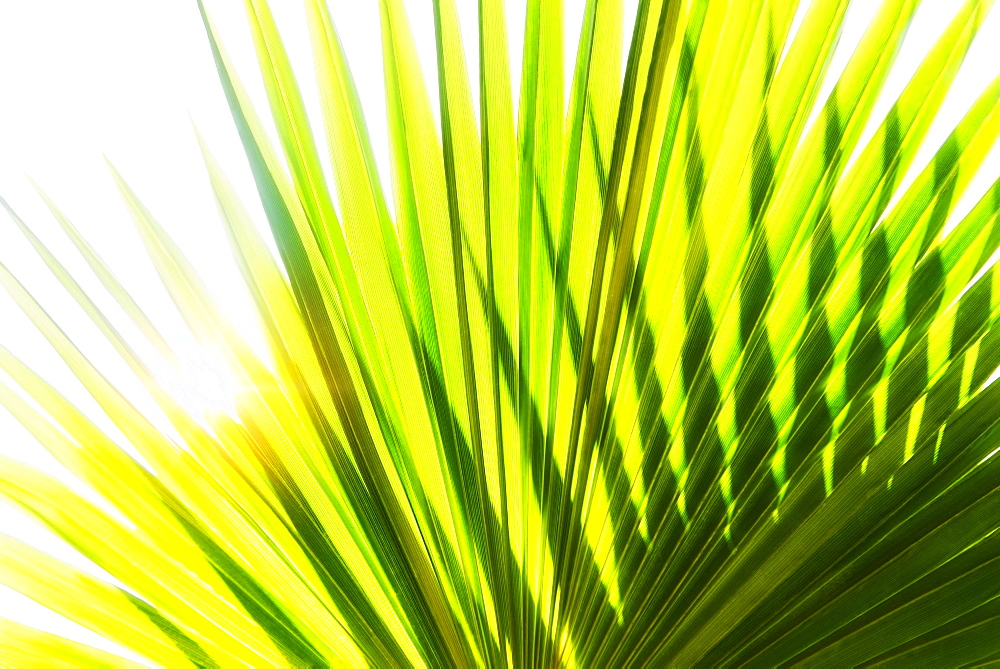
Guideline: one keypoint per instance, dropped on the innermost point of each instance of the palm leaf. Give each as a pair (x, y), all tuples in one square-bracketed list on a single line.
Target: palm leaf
[(683, 370)]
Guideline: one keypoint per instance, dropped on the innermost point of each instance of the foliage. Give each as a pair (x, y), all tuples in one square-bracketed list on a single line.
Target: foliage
[(667, 375)]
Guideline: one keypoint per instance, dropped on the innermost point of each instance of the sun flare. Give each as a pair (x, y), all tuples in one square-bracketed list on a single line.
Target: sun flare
[(203, 382)]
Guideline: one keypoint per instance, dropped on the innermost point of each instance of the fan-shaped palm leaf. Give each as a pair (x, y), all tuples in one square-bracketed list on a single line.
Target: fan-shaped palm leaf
[(677, 373)]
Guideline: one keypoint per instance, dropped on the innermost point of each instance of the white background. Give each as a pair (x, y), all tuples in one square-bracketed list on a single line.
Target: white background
[(127, 79)]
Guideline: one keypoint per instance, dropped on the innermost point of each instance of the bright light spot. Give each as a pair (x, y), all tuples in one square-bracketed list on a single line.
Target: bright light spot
[(202, 383), (992, 377), (991, 454)]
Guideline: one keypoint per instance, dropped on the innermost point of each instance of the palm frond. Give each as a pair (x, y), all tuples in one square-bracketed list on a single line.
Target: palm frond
[(686, 369)]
